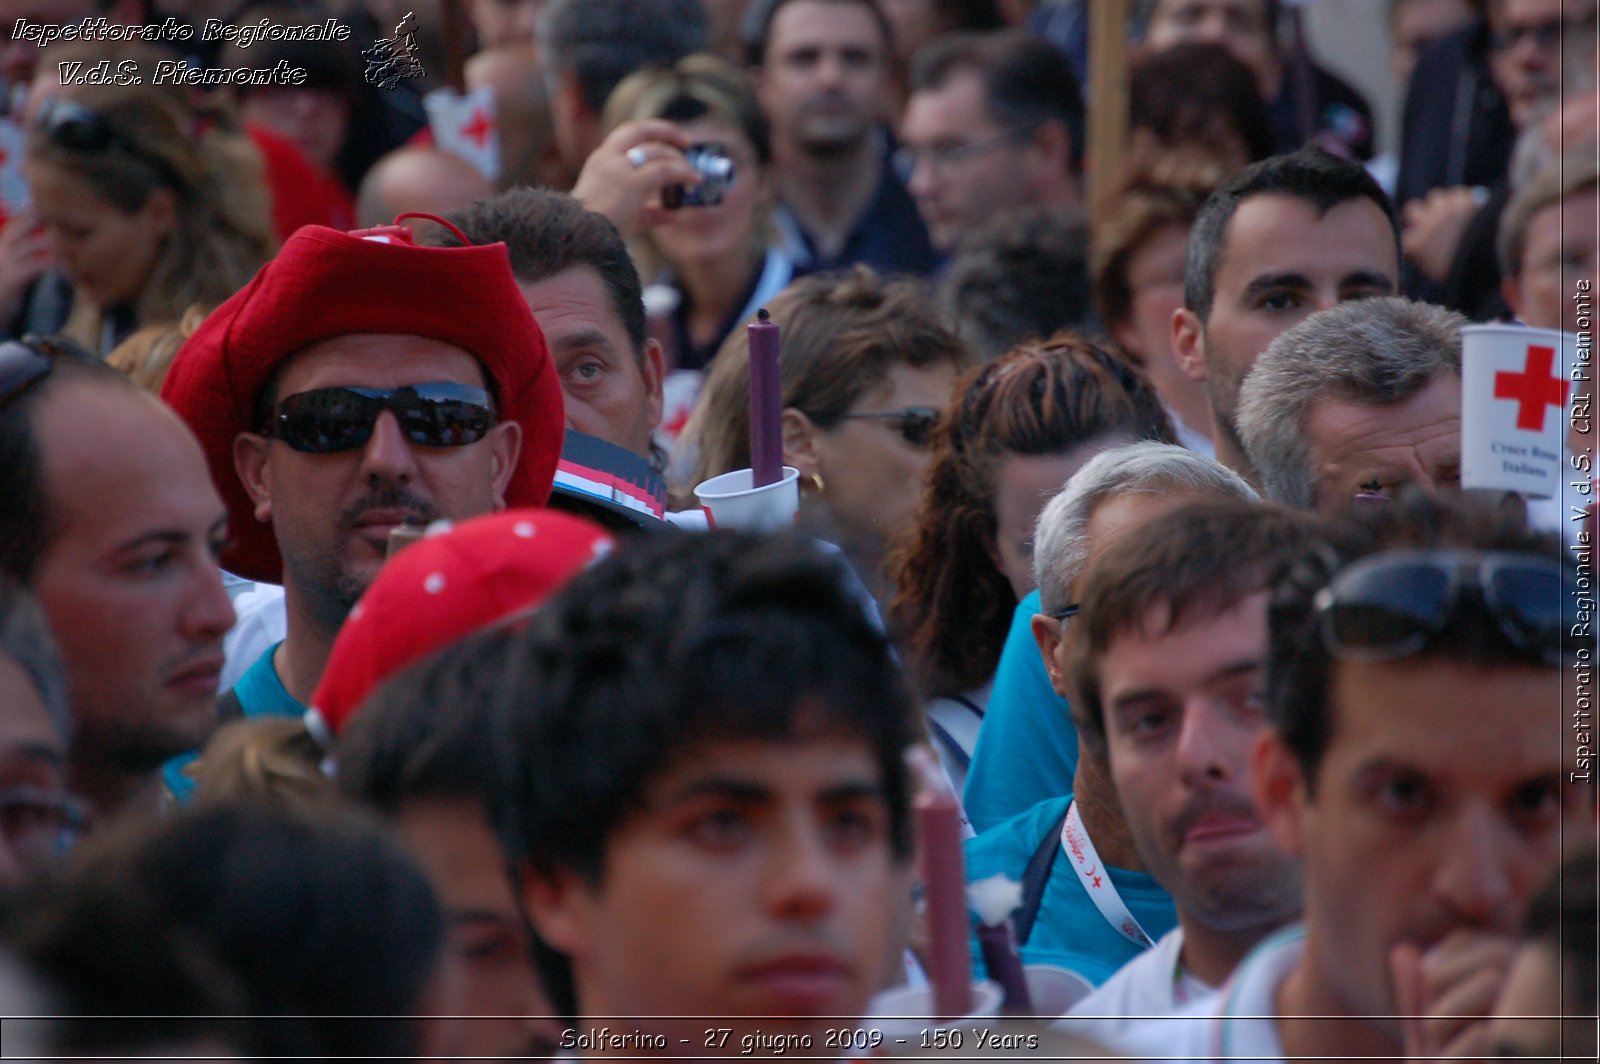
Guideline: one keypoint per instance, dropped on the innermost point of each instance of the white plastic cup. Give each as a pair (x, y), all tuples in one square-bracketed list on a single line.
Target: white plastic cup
[(905, 1015), (1513, 422), (730, 501), (1053, 990)]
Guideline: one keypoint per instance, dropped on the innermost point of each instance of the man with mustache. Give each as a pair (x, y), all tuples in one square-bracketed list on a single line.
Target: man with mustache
[(359, 384), (1169, 651)]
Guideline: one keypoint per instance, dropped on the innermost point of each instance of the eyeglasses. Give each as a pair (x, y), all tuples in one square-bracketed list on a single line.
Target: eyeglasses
[(26, 362), (73, 126), (940, 157), (1546, 35), (1069, 610), (330, 420), (39, 824), (1389, 606), (914, 423)]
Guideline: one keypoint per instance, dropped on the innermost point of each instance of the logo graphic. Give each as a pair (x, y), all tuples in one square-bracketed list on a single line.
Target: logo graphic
[(392, 60), (1535, 388)]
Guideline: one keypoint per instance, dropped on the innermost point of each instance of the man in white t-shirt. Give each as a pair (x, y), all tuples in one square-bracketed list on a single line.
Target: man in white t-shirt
[(1419, 677), (1169, 650)]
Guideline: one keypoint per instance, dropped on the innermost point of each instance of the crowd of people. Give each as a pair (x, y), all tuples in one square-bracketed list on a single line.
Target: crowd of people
[(372, 683)]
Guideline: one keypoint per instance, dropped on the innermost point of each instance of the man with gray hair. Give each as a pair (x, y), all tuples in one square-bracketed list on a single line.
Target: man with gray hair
[(1027, 750), (1062, 923), (1356, 402), (38, 818)]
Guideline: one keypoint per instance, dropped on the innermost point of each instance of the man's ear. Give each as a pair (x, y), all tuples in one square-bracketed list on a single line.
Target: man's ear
[(1048, 633), (1054, 142), (1279, 787), (653, 367), (800, 437), (1189, 343), (250, 464), (556, 906), (505, 442)]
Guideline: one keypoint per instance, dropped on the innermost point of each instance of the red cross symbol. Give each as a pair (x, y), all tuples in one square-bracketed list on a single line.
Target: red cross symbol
[(478, 128), (1534, 388)]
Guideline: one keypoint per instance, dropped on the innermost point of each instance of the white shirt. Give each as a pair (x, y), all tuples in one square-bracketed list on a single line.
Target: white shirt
[(1152, 984), (261, 623), (1237, 1021)]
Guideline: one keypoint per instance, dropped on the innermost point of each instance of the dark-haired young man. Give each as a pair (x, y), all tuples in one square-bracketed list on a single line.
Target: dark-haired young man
[(1419, 678), (708, 802), (1168, 650), (110, 519), (1283, 239)]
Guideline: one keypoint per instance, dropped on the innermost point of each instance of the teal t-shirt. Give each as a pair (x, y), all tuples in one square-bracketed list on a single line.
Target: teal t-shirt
[(260, 693), (1027, 748), (1069, 931)]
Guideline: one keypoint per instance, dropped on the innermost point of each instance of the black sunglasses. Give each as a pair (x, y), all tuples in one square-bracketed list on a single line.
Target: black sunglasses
[(74, 127), (330, 420), (26, 362), (914, 423), (1389, 606)]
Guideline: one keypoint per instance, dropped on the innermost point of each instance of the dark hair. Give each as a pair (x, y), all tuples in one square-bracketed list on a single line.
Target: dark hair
[(1026, 80), (1311, 174), (1190, 93), (1022, 275), (603, 41), (546, 233), (426, 732), (673, 642), (25, 522), (319, 918), (756, 26), (1300, 666), (1562, 917), (1169, 193), (952, 604), (1199, 560)]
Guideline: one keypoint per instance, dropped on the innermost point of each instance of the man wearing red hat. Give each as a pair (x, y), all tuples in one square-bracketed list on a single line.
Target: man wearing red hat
[(357, 384)]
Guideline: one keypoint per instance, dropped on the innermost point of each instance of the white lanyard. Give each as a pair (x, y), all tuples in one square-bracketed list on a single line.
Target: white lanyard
[(1096, 880)]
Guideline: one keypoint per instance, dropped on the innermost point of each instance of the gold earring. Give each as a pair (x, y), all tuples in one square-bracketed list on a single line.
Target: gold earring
[(816, 483)]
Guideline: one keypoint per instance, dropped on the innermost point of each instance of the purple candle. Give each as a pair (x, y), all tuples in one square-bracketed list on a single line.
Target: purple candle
[(944, 883), (766, 402)]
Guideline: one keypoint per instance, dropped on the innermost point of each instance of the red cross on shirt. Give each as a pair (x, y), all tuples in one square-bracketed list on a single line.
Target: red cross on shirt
[(1535, 388), (478, 128)]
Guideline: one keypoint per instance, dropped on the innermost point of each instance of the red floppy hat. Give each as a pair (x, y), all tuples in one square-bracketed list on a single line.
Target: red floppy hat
[(444, 587), (325, 283)]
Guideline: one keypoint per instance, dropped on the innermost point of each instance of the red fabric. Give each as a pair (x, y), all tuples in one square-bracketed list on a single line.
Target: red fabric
[(301, 195), (325, 283), (447, 586)]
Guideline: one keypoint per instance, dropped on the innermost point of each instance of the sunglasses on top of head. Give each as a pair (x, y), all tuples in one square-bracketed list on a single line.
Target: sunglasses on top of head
[(1391, 605), (26, 362), (330, 420), (914, 423)]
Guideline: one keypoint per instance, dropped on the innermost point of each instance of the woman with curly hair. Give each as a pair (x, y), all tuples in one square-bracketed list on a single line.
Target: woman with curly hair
[(1015, 431)]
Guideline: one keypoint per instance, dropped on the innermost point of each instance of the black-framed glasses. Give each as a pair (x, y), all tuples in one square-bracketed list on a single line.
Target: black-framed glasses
[(40, 824), (1069, 610), (330, 420), (1390, 605), (914, 423), (26, 362)]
